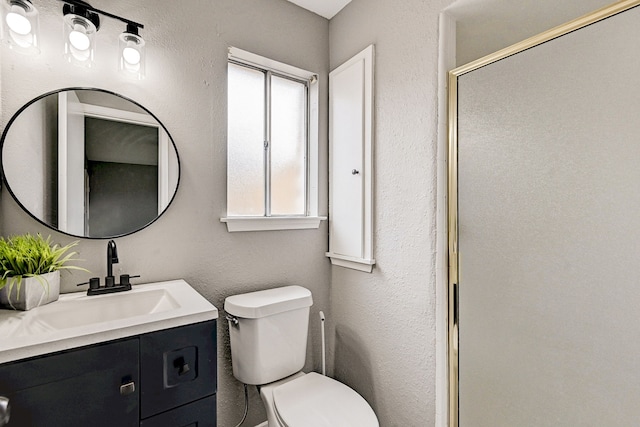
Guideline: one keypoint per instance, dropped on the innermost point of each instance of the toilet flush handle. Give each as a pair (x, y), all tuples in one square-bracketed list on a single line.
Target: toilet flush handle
[(232, 320)]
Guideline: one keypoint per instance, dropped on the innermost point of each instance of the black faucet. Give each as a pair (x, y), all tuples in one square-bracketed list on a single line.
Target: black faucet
[(110, 284), (112, 257)]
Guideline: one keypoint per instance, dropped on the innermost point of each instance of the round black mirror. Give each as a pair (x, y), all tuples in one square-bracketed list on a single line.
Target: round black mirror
[(89, 163)]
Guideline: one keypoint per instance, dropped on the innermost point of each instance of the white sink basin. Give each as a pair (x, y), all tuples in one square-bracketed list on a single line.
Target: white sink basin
[(111, 307), (77, 319)]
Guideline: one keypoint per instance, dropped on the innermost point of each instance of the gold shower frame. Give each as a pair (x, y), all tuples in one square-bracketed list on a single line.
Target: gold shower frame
[(576, 24)]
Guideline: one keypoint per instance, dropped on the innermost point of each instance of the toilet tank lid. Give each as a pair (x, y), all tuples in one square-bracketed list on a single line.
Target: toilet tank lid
[(254, 305)]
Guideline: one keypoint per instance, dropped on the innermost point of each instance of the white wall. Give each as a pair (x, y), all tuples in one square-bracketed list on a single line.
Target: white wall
[(186, 89), (383, 323)]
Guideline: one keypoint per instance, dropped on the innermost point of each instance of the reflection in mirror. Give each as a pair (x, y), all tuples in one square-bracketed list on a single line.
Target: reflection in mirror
[(89, 163)]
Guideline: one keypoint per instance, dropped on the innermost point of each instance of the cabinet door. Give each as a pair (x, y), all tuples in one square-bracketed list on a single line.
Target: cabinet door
[(351, 163), (77, 388), (178, 367), (347, 148)]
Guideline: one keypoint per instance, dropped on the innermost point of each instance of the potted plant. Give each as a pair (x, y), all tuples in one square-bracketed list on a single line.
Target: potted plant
[(30, 270)]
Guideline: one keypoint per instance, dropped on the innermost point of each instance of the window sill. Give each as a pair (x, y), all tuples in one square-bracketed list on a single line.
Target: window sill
[(272, 223), (354, 263)]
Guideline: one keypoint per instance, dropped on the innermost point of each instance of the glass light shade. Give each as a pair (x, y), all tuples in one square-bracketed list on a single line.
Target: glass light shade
[(79, 40), (132, 55), (20, 26)]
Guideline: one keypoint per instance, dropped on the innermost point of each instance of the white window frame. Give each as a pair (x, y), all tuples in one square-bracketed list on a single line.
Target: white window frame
[(311, 218)]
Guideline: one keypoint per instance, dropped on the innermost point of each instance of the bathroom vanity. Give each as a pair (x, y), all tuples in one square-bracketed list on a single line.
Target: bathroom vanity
[(77, 363)]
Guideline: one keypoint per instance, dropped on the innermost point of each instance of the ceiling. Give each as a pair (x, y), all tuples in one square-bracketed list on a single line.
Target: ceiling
[(326, 8)]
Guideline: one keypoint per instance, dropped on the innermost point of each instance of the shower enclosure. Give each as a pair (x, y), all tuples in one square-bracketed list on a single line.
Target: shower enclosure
[(544, 233)]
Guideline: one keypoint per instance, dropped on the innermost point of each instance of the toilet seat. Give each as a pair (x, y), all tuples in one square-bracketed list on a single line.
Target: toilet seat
[(314, 400)]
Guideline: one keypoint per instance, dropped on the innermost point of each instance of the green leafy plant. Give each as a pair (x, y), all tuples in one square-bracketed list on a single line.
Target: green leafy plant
[(26, 255)]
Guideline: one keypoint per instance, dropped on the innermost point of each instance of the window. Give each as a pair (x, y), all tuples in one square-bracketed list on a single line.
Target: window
[(272, 145)]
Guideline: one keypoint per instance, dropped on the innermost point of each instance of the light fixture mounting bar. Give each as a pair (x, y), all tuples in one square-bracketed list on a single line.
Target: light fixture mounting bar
[(87, 6)]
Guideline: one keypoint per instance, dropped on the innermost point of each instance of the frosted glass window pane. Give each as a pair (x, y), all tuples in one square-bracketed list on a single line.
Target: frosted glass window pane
[(245, 142), (288, 146)]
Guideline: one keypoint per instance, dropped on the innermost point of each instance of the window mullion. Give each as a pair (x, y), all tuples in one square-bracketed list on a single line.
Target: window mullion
[(307, 149), (267, 144)]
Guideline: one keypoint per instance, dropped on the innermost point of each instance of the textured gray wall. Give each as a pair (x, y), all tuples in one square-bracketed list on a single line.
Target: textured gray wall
[(486, 26), (383, 323), (186, 89)]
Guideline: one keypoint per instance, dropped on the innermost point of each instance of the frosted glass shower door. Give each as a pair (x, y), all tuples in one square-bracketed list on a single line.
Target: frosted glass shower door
[(549, 232)]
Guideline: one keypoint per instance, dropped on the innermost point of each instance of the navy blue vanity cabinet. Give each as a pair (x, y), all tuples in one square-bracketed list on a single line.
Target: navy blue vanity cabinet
[(165, 378), (198, 414), (95, 386), (178, 374)]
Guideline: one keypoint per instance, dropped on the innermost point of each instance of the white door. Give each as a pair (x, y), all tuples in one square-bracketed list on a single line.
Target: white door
[(347, 99), (351, 163)]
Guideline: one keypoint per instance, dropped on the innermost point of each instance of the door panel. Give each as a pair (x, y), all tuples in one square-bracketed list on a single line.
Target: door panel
[(549, 238), (78, 388), (347, 118)]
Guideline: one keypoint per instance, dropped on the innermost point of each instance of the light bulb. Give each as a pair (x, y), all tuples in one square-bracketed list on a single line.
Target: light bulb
[(20, 26), (18, 23), (131, 55), (79, 40)]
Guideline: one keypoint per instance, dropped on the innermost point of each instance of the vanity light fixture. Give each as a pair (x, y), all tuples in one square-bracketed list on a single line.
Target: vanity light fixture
[(82, 22), (20, 26)]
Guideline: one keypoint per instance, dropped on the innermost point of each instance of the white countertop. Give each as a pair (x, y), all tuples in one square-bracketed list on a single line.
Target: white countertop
[(76, 320)]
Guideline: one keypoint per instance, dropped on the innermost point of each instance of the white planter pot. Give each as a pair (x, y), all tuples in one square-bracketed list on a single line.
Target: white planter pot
[(34, 291)]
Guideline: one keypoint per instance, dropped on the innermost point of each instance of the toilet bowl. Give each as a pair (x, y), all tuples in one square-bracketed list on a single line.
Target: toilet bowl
[(268, 334), (313, 400)]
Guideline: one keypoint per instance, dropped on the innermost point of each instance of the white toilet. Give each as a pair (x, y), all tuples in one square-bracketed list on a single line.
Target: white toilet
[(268, 331)]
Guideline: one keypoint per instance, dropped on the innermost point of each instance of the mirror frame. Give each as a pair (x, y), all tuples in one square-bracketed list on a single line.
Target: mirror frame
[(3, 178)]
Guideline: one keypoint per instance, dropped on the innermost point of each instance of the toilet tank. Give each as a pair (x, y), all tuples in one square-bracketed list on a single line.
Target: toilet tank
[(269, 340)]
